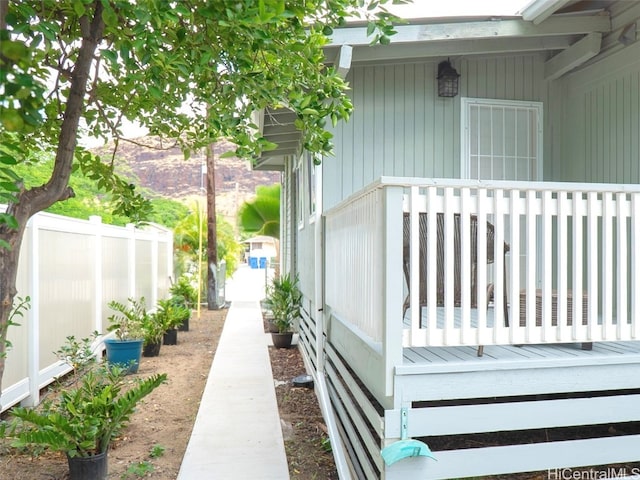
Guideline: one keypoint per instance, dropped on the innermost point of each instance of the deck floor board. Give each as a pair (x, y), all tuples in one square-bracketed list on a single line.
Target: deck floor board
[(449, 359)]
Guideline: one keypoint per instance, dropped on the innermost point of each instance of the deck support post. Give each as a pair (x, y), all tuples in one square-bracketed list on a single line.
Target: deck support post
[(393, 282)]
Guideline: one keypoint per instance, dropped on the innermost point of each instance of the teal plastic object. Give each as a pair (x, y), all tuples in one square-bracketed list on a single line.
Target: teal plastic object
[(405, 447)]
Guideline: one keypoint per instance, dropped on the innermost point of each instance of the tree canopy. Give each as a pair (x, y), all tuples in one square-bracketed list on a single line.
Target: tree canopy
[(190, 70)]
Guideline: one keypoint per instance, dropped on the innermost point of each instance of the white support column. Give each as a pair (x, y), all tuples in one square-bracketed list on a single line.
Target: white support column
[(33, 317), (392, 339), (131, 254), (154, 269), (634, 266), (319, 272), (169, 247), (98, 286)]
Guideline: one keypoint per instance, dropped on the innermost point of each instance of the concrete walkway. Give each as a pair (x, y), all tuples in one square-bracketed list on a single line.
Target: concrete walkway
[(237, 433)]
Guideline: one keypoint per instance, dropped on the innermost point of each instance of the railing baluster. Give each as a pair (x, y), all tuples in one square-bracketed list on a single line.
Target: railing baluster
[(432, 254), (448, 265), (414, 255), (530, 265), (514, 271), (607, 264), (564, 208), (578, 214), (481, 277), (499, 331), (622, 212), (592, 265), (465, 263), (549, 207)]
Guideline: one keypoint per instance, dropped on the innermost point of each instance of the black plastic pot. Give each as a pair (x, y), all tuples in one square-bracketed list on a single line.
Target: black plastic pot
[(151, 349), (170, 337), (184, 326), (93, 467), (282, 340)]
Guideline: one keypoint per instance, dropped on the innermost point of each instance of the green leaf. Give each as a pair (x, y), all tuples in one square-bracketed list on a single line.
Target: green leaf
[(110, 55), (7, 159), (228, 154), (78, 7), (109, 17), (9, 220)]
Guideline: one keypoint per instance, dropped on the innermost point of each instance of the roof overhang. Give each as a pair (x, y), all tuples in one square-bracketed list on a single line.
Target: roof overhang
[(277, 125), (571, 32)]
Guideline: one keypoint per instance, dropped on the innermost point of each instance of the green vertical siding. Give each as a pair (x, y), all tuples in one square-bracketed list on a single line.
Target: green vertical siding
[(599, 121), (400, 127)]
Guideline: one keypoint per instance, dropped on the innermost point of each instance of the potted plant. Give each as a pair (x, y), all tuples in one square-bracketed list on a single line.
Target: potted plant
[(284, 300), (171, 313), (153, 330), (183, 291), (127, 324), (184, 313), (83, 420)]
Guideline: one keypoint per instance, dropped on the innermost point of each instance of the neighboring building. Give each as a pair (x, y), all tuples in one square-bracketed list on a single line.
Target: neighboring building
[(260, 246), (530, 175)]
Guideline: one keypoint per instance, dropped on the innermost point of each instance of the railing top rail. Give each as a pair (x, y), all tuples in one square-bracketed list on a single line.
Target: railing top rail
[(508, 185), (386, 181)]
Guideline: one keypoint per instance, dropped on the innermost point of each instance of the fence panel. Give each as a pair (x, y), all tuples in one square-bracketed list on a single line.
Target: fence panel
[(72, 269)]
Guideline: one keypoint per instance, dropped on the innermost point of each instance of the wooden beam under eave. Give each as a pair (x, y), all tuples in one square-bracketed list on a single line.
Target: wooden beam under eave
[(459, 47), (343, 60), (575, 55), (490, 29)]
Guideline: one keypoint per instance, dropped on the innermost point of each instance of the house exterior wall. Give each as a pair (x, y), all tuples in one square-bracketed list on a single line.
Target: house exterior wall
[(400, 127), (597, 123), (287, 218)]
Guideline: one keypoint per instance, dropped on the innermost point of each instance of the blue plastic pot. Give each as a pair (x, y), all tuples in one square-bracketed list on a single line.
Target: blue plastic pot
[(124, 353)]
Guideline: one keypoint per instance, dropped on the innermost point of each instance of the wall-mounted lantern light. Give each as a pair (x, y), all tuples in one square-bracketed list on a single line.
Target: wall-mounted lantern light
[(447, 80)]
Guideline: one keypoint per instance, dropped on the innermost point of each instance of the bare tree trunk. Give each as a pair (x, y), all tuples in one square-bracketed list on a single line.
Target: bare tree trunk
[(30, 202), (212, 237)]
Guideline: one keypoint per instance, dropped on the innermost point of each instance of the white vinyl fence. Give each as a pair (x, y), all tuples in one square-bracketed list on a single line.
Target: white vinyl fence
[(72, 269)]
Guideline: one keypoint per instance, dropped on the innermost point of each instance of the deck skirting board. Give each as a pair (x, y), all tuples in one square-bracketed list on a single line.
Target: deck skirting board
[(497, 417), (518, 458), (519, 382), (356, 449)]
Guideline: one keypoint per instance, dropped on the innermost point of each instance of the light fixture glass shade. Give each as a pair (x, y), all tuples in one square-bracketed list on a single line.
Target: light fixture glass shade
[(447, 80)]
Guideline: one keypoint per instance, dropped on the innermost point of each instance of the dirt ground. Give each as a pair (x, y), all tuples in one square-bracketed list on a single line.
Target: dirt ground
[(154, 443)]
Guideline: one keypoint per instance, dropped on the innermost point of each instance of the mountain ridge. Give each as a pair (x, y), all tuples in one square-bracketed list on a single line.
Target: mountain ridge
[(164, 170)]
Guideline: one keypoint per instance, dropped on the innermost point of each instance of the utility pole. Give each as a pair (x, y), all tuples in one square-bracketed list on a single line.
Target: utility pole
[(212, 237)]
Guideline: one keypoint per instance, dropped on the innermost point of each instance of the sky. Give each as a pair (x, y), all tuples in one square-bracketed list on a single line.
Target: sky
[(447, 8)]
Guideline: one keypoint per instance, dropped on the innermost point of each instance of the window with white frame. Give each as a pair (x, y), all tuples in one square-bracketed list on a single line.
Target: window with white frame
[(501, 139)]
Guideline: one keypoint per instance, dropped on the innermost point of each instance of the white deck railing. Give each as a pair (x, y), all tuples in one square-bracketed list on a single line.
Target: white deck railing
[(563, 238)]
